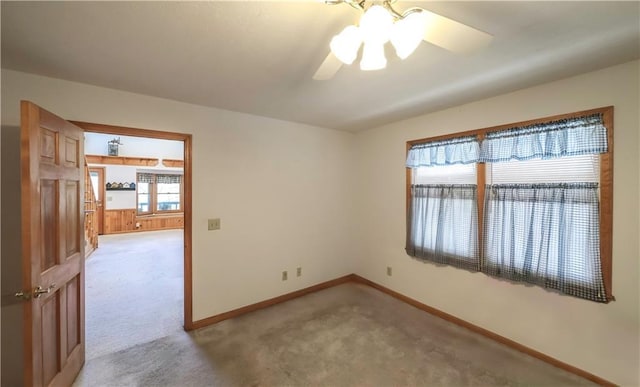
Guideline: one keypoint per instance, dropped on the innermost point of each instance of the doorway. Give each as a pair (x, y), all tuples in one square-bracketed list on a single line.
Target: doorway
[(187, 193), (97, 182)]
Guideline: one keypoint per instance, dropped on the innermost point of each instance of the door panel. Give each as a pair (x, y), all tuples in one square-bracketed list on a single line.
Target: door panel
[(48, 220), (73, 218), (73, 317), (53, 249), (50, 327), (48, 146), (71, 152)]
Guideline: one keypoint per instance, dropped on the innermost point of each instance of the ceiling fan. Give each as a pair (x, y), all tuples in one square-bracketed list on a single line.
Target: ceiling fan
[(381, 23)]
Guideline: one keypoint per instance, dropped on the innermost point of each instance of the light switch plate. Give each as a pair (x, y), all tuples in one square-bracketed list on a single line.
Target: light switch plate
[(214, 224)]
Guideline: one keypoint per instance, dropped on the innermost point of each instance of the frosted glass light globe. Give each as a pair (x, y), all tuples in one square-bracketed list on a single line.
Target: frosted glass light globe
[(376, 24), (345, 45), (408, 32), (373, 57)]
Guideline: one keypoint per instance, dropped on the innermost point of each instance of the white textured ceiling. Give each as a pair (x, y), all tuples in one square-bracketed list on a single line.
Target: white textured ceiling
[(258, 57)]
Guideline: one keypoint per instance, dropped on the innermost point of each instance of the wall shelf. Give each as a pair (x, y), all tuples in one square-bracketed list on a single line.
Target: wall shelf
[(121, 160), (173, 163), (120, 186)]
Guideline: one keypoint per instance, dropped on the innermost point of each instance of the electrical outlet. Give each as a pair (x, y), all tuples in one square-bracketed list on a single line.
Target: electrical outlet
[(214, 224), (299, 272), (389, 271), (284, 275)]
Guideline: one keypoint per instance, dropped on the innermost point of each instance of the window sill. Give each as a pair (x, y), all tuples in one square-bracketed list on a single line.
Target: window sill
[(163, 215)]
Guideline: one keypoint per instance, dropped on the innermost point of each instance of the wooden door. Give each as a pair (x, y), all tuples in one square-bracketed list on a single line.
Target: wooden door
[(97, 181), (52, 182)]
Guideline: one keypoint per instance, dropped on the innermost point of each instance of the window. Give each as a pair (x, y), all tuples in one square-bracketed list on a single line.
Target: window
[(543, 190), (444, 204), (159, 193)]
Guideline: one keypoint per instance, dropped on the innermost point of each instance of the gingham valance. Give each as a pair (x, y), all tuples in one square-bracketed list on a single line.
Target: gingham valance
[(461, 150), (161, 179), (168, 179), (145, 178), (568, 137)]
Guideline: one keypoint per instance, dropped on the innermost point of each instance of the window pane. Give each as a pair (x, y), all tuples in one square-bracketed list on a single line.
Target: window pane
[(143, 197), (143, 188), (570, 169), (168, 198), (168, 188), (168, 202), (450, 174), (94, 183), (443, 225)]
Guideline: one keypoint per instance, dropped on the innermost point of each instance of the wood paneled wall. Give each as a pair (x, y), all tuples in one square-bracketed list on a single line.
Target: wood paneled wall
[(126, 220), (160, 222), (117, 221)]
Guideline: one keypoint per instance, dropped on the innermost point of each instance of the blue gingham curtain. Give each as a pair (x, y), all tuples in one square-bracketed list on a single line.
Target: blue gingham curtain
[(568, 137), (145, 178), (443, 225), (462, 150), (545, 234), (168, 179)]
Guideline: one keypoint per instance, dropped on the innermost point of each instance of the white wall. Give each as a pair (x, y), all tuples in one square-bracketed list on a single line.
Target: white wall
[(602, 339), (119, 200), (96, 144), (283, 190)]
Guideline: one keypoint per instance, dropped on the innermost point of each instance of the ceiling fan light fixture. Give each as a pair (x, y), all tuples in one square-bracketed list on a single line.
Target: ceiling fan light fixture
[(345, 45), (376, 25), (373, 57), (408, 32), (380, 24)]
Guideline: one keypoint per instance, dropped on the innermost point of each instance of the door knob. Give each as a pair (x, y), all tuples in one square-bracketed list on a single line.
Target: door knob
[(37, 292), (23, 296)]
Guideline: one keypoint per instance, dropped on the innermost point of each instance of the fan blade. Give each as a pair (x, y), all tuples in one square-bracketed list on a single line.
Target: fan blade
[(454, 36), (328, 68)]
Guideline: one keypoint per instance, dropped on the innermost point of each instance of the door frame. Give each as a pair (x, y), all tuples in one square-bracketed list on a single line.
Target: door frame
[(103, 191), (187, 187)]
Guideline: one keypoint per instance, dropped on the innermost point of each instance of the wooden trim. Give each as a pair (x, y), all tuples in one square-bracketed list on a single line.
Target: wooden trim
[(272, 301), (171, 163), (484, 332), (187, 190), (606, 207), (187, 186), (128, 131), (121, 160), (409, 175), (481, 176)]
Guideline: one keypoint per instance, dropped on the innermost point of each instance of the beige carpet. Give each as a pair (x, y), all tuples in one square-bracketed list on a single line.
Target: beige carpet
[(343, 336), (133, 290)]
